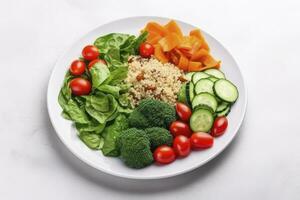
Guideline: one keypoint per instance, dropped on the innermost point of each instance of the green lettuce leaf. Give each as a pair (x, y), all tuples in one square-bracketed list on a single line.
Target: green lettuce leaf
[(75, 113), (102, 117), (116, 76), (110, 135), (106, 42), (117, 47), (109, 89), (99, 73), (99, 102), (92, 127), (123, 100), (65, 93), (93, 141), (125, 111)]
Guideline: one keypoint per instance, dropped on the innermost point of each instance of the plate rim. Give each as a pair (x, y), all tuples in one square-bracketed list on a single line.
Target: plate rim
[(116, 174)]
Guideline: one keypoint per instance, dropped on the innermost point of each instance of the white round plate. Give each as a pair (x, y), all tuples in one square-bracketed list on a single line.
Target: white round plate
[(114, 166)]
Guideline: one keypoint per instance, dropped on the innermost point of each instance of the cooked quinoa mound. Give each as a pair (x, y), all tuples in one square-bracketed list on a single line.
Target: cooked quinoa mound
[(153, 79)]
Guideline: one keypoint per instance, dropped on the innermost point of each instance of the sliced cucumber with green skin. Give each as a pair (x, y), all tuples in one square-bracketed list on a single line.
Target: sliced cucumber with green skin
[(189, 75), (224, 112), (213, 79), (226, 91), (216, 73), (191, 92), (187, 94), (182, 94), (199, 75), (218, 99), (222, 106), (201, 120), (206, 99), (204, 107), (204, 85)]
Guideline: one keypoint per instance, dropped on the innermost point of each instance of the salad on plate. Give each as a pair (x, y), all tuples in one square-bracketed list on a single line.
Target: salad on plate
[(149, 98)]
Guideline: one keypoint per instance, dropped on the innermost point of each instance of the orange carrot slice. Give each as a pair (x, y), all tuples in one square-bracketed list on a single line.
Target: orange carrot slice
[(194, 66), (183, 63), (196, 45), (174, 57), (159, 54), (186, 52), (156, 28), (199, 54), (172, 27), (153, 39), (197, 33), (209, 61), (206, 67), (169, 42)]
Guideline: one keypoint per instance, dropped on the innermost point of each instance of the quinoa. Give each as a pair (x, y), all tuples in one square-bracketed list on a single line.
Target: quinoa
[(152, 79)]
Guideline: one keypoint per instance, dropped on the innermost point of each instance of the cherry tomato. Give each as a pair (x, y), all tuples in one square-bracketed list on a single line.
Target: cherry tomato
[(201, 140), (95, 61), (90, 52), (146, 50), (164, 154), (180, 128), (219, 127), (183, 111), (182, 145), (80, 86), (77, 67)]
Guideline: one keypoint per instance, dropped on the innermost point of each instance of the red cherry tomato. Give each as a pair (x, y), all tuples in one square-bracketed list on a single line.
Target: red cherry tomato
[(183, 111), (164, 154), (90, 52), (201, 140), (146, 50), (180, 128), (95, 61), (80, 86), (182, 145), (219, 127), (77, 67)]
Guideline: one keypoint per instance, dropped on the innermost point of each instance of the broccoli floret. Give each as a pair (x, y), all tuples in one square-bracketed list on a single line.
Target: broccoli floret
[(159, 136), (152, 113), (134, 146), (170, 115), (138, 120)]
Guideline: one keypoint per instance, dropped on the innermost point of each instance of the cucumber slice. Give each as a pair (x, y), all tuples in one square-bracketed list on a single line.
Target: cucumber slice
[(224, 112), (191, 92), (213, 79), (206, 99), (182, 94), (222, 106), (189, 75), (199, 75), (216, 73), (187, 94), (226, 91), (218, 99), (204, 107), (201, 120), (204, 85)]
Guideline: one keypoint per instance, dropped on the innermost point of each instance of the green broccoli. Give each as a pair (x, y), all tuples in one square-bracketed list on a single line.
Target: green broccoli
[(159, 136), (134, 146), (138, 120), (152, 113)]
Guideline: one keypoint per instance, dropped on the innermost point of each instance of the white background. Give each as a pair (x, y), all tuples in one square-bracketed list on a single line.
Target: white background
[(263, 162)]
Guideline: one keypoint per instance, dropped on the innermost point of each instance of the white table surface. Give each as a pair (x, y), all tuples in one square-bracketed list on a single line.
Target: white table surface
[(263, 162)]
